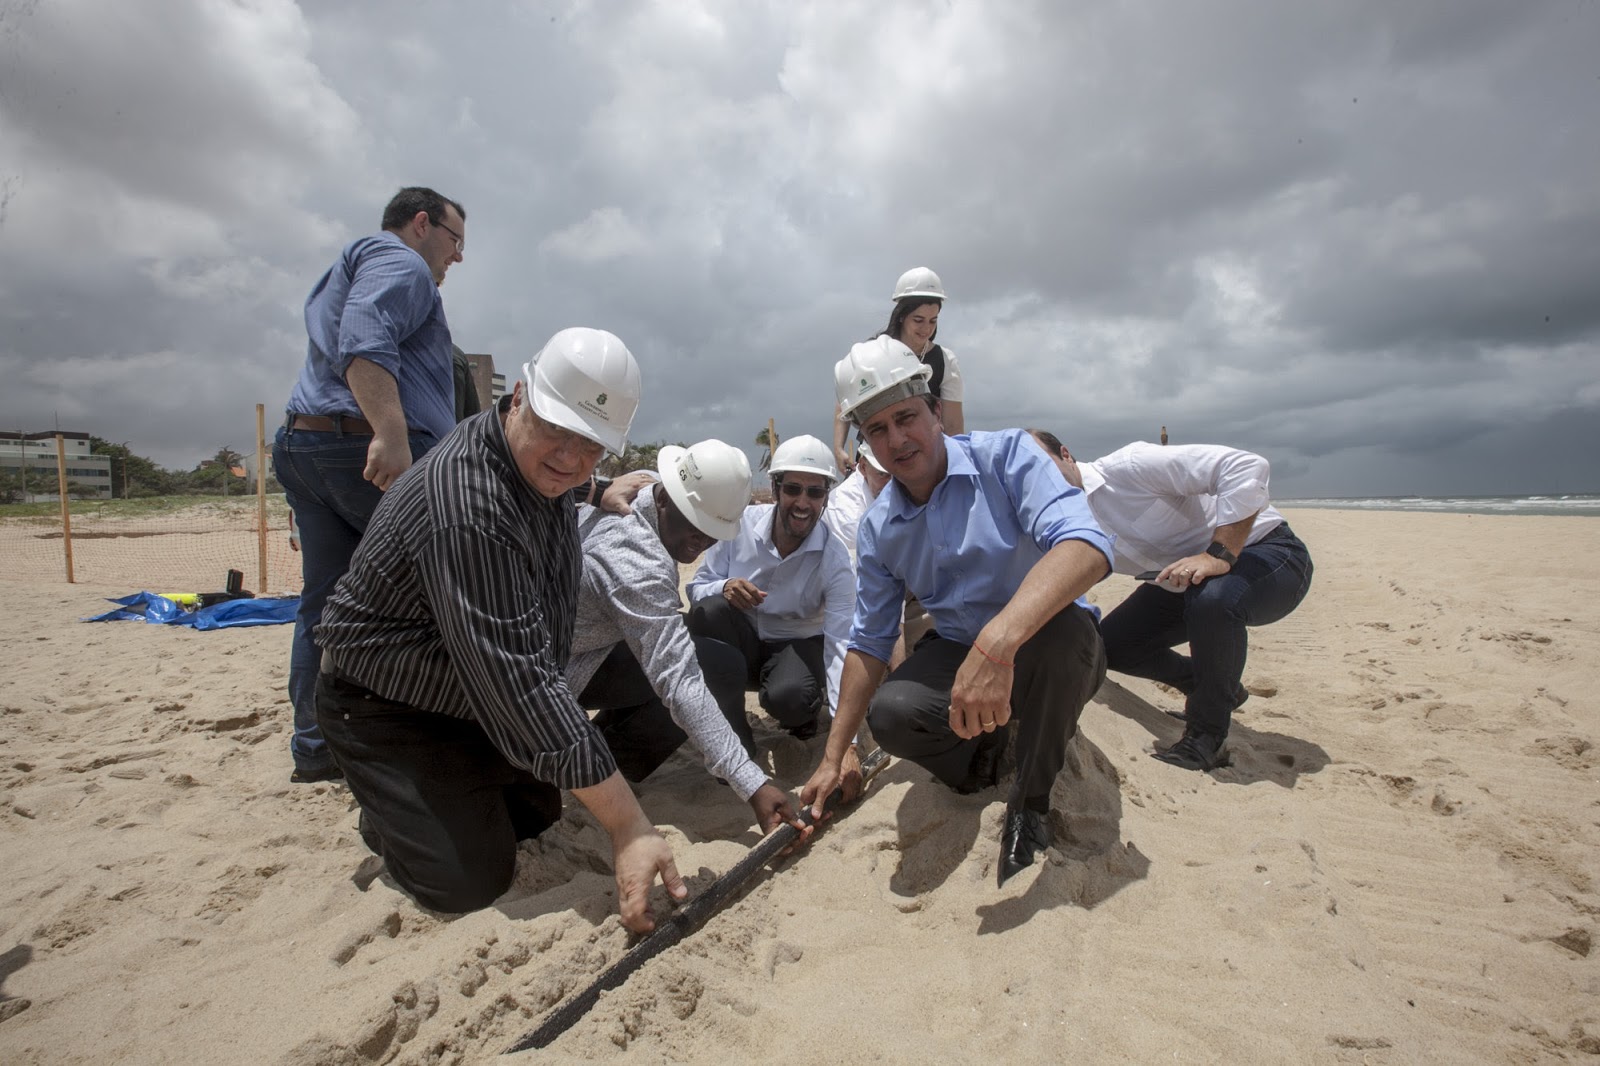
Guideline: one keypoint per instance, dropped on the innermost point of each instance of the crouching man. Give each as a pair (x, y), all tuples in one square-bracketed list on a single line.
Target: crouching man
[(984, 531), (633, 658), (442, 692), (779, 593)]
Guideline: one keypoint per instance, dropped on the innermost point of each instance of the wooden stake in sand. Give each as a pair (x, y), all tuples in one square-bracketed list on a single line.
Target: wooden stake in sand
[(66, 505), (686, 920), (261, 497)]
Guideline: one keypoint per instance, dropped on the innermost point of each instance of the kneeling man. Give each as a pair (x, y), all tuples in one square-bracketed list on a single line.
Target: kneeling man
[(442, 692), (985, 533), (632, 656)]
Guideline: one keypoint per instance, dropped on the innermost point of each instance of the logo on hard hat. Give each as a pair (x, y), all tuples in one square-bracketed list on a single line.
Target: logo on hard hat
[(600, 399)]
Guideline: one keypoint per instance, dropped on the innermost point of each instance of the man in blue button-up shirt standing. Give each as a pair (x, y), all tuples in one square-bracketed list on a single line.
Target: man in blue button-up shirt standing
[(376, 392), (986, 533)]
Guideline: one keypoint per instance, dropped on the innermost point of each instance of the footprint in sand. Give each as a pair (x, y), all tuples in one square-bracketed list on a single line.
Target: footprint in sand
[(388, 926), (1574, 753)]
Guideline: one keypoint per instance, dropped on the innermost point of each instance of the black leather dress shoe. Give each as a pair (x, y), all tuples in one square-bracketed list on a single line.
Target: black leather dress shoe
[(1024, 835), (804, 732), (1196, 751), (309, 777)]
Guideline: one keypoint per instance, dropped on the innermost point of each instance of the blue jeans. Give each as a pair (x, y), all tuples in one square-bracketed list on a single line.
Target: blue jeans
[(332, 503), (1269, 580)]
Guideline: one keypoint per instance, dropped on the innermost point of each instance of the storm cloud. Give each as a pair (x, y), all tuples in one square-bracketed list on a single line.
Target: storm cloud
[(1360, 238)]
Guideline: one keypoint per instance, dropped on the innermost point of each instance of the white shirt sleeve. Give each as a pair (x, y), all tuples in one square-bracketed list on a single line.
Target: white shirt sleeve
[(712, 575), (950, 389), (1237, 479)]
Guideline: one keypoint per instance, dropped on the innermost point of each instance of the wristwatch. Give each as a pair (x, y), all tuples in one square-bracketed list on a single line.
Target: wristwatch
[(1217, 551)]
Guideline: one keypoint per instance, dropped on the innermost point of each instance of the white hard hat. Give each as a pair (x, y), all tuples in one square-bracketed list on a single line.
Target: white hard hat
[(709, 482), (918, 281), (876, 374), (585, 380), (805, 455), (865, 451)]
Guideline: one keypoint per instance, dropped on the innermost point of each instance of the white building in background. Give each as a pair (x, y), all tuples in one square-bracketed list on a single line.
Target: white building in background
[(29, 460)]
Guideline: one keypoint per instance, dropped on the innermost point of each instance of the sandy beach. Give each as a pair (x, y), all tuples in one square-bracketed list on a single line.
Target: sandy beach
[(1401, 865)]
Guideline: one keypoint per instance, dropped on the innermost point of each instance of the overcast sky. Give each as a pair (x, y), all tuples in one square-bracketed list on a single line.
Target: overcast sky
[(1362, 239)]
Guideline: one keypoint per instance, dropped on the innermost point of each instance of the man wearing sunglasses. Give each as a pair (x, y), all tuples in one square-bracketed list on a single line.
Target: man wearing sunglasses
[(377, 391), (781, 592)]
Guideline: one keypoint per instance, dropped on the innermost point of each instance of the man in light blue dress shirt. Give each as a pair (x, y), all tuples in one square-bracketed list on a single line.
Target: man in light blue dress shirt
[(779, 593), (376, 392), (999, 549)]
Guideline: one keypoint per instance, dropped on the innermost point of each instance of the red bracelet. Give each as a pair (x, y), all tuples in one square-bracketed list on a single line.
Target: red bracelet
[(991, 658)]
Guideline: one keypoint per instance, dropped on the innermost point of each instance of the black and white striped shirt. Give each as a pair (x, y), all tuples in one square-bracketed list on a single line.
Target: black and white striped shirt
[(461, 600)]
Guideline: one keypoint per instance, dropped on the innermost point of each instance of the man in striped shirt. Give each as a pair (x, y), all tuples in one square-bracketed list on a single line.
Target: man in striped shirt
[(442, 693)]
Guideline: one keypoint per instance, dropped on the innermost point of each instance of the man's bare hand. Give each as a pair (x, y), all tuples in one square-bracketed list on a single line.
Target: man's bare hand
[(1192, 570), (844, 775), (638, 858), (980, 699), (773, 809), (741, 594), (620, 494), (386, 461)]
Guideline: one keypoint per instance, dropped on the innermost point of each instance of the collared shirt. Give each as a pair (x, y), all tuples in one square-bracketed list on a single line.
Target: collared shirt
[(461, 600), (846, 504), (629, 591), (379, 302), (1001, 506), (809, 592), (1164, 502)]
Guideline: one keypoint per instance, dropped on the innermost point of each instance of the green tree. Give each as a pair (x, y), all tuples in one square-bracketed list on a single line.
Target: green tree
[(766, 456), (10, 487), (134, 475), (635, 457), (218, 471)]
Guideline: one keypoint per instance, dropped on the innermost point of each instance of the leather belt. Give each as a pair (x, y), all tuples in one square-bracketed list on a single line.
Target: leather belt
[(347, 424)]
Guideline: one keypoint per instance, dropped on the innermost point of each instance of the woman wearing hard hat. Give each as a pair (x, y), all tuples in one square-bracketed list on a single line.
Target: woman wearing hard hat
[(914, 322)]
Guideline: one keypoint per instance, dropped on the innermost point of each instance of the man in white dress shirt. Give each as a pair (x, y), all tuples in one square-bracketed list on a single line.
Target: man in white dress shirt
[(1219, 558), (782, 592), (633, 659), (851, 498)]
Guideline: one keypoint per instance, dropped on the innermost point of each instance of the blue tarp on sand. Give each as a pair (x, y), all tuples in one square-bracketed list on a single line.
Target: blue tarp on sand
[(229, 614)]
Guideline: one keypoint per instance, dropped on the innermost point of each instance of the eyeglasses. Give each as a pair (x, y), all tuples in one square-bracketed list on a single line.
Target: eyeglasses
[(814, 492), (461, 242)]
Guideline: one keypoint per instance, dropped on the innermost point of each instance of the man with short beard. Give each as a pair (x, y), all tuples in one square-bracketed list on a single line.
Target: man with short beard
[(781, 592)]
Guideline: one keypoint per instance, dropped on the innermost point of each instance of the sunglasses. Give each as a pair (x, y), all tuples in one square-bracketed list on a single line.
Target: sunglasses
[(815, 492)]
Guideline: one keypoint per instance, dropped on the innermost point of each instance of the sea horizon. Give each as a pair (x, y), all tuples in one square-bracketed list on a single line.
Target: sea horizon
[(1578, 504)]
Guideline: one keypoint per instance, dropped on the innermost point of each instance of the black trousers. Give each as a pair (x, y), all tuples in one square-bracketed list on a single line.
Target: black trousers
[(1270, 579), (1056, 673), (788, 674), (635, 721), (439, 803)]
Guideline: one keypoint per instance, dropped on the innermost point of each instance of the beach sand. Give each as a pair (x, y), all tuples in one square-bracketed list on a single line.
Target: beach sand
[(1401, 865)]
